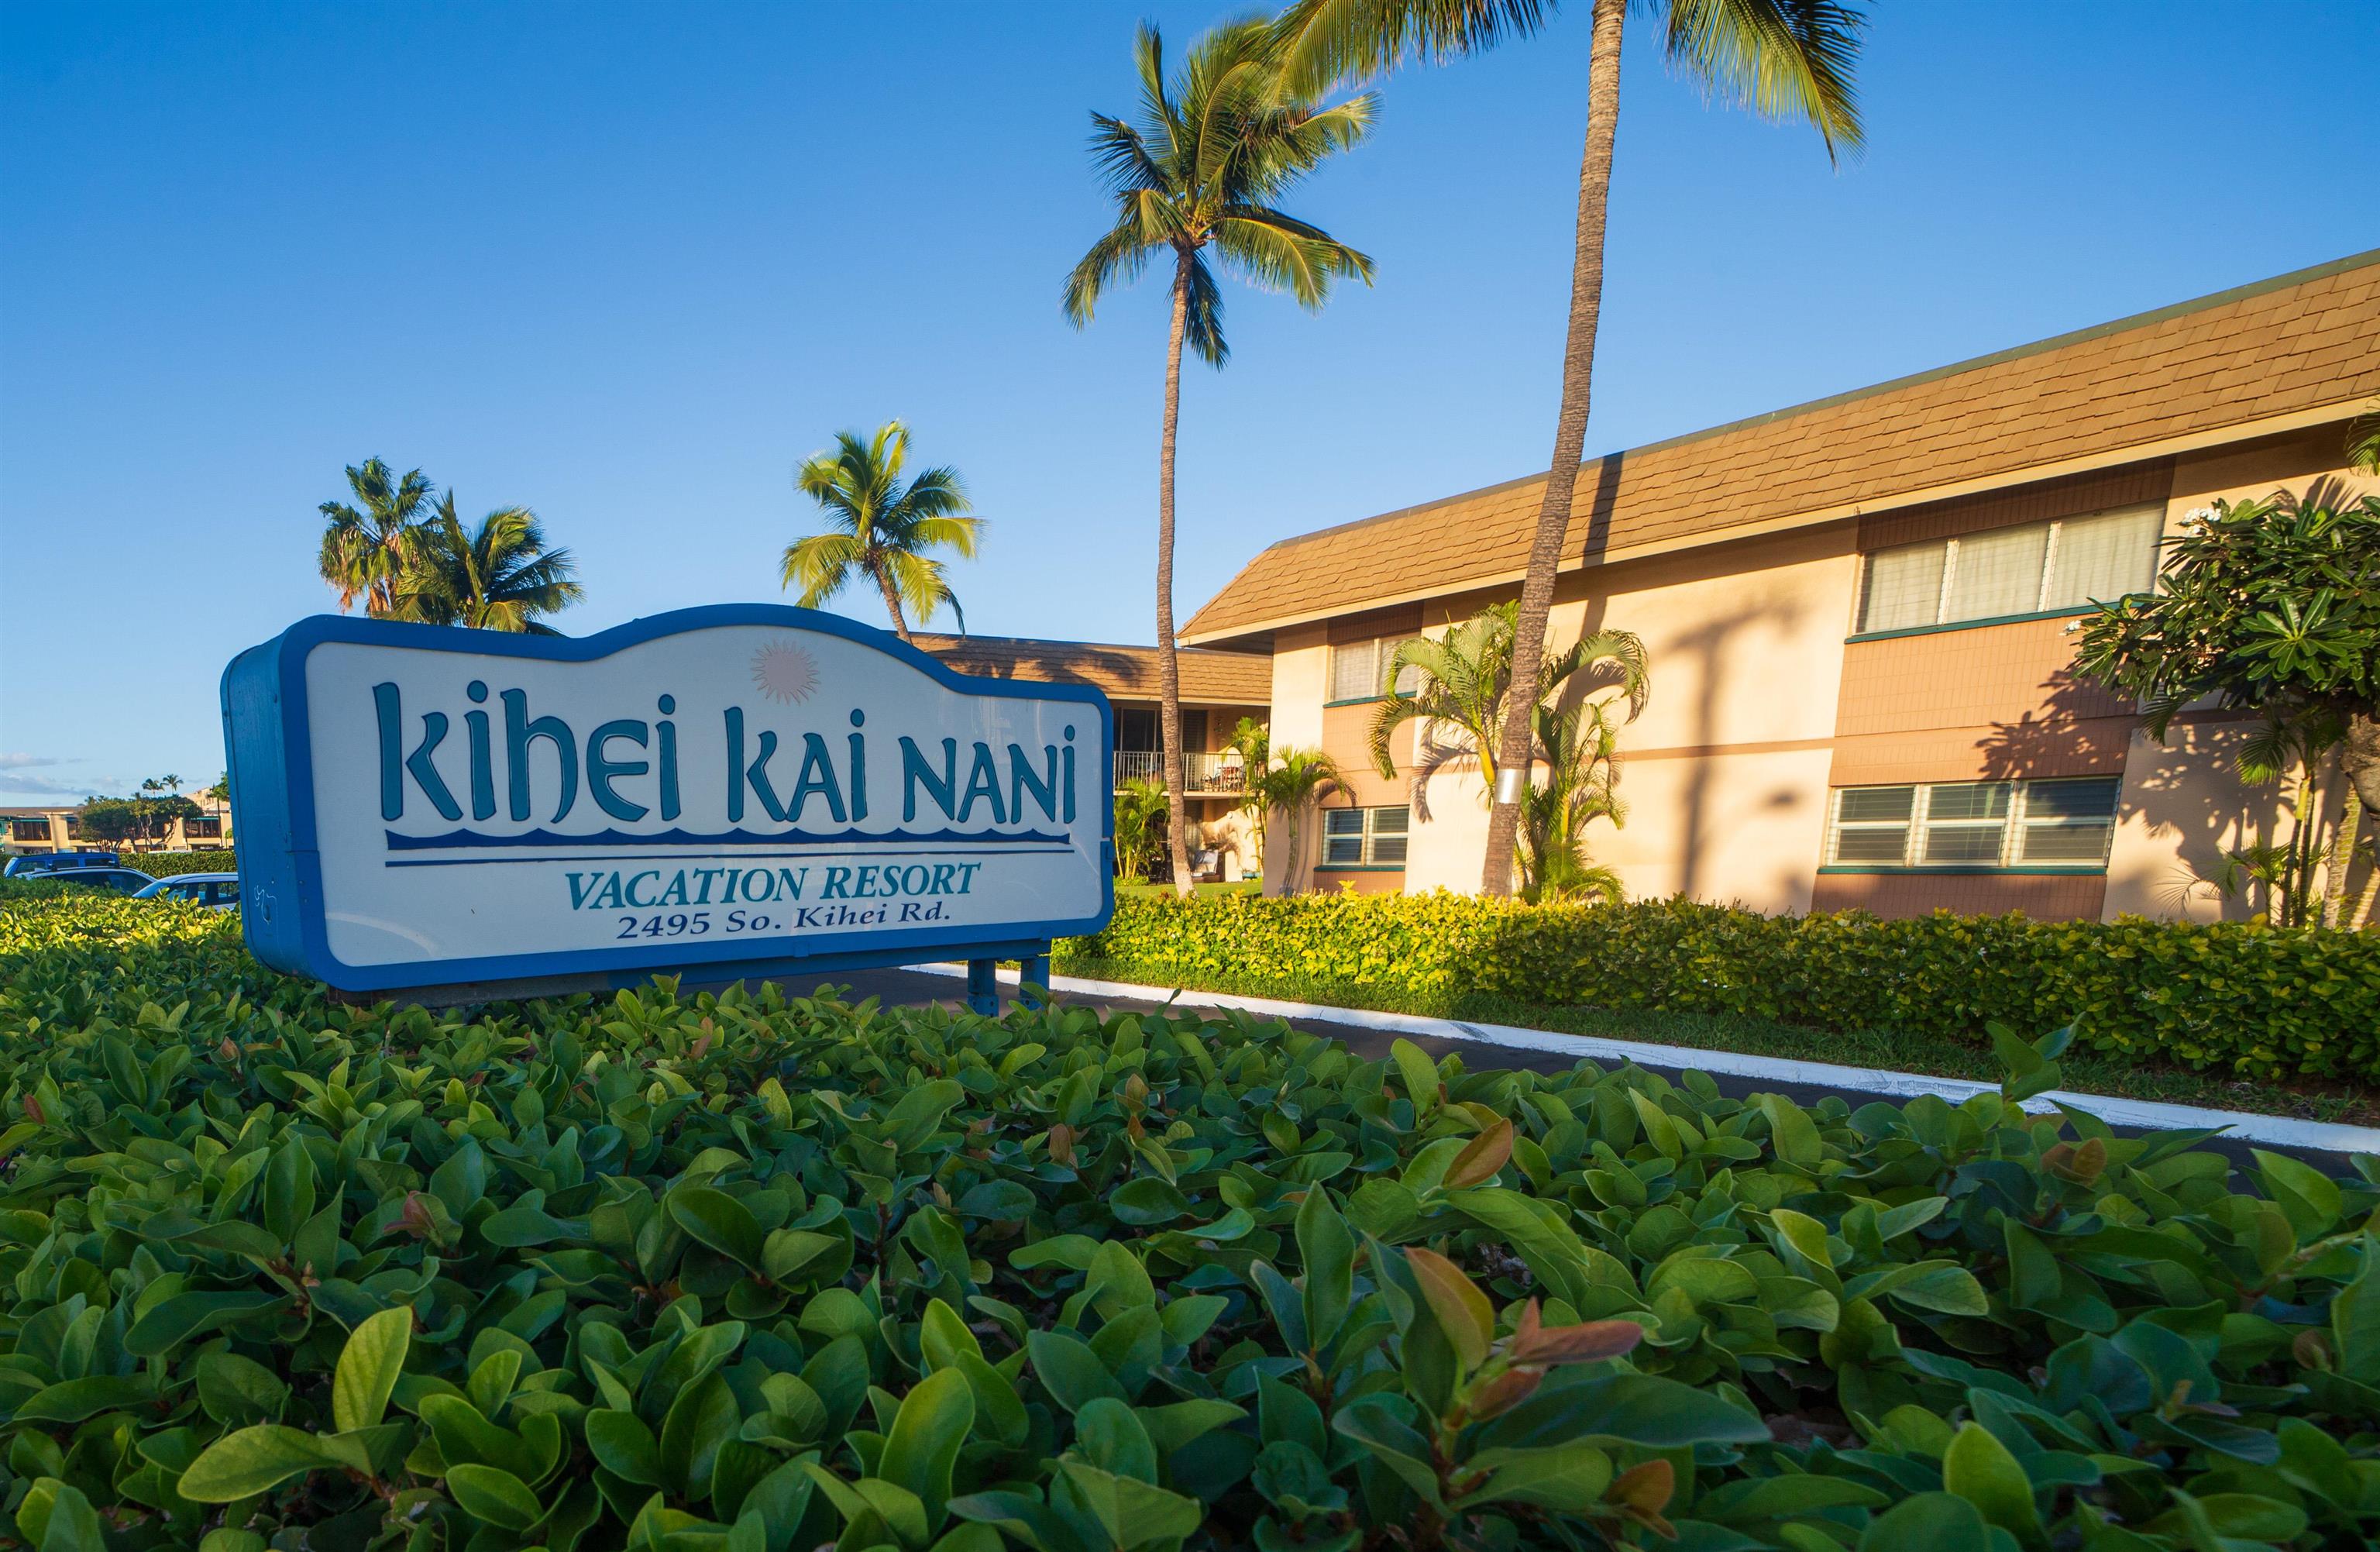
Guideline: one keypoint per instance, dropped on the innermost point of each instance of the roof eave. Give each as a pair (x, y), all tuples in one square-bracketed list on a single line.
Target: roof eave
[(2243, 430)]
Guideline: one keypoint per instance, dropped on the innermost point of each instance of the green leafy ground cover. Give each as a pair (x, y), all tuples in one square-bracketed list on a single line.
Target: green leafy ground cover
[(758, 1274)]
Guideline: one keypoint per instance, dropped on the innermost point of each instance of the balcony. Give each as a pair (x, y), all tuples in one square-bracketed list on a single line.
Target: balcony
[(1204, 773)]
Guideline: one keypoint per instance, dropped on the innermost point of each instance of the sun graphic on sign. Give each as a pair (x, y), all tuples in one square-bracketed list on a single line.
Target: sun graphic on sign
[(783, 671)]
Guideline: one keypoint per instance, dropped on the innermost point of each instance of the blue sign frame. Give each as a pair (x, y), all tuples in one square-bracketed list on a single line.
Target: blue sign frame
[(268, 736)]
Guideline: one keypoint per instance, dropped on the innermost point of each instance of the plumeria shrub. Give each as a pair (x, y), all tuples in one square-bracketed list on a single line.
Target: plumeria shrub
[(684, 1272)]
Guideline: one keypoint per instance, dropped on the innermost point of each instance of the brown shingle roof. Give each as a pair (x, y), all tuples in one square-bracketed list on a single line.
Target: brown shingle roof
[(1125, 673), (2293, 344)]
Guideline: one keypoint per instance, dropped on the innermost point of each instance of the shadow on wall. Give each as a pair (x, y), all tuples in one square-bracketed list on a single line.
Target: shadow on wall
[(2187, 793), (1704, 653), (2183, 792), (2080, 729)]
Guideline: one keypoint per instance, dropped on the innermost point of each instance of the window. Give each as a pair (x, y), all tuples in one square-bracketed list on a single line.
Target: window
[(1359, 670), (2068, 823), (2036, 569), (1365, 837), (204, 830)]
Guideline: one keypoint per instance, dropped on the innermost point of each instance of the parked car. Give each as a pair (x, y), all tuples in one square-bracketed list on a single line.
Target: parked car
[(123, 880), (51, 862), (216, 891)]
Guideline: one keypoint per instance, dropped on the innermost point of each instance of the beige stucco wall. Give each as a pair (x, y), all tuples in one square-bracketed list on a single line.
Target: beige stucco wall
[(1745, 658), (2254, 472), (1740, 829), (1745, 642), (1301, 663)]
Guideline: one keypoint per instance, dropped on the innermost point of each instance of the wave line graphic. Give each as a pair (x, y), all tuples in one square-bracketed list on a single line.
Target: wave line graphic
[(458, 839)]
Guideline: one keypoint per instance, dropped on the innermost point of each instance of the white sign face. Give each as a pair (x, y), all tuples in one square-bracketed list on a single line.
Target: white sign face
[(774, 785)]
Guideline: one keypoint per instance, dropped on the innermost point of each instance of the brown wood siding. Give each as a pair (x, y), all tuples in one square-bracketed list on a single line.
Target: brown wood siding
[(1373, 623), (2023, 750), (1329, 881), (1895, 896), (1978, 676), (2097, 492), (1346, 737)]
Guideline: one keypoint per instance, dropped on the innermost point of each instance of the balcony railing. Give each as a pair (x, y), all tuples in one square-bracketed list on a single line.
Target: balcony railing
[(1204, 773)]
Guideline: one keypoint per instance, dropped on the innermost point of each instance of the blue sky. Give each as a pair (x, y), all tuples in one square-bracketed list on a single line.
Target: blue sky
[(627, 264)]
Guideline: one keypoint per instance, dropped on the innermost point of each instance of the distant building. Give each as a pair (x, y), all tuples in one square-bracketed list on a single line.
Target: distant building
[(53, 828), (1218, 689), (1859, 613)]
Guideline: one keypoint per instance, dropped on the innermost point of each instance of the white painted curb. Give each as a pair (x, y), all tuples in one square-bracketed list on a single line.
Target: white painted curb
[(2144, 1114)]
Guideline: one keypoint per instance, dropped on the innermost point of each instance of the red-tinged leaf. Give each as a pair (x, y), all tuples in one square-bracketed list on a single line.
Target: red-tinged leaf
[(1643, 1491), (1584, 1343), (1481, 1162), (1504, 1392)]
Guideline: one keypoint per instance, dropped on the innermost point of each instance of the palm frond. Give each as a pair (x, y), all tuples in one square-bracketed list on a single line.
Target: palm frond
[(1323, 43), (1148, 68), (1303, 139), (1622, 652), (1122, 158), (919, 582), (936, 492), (1781, 58), (961, 534), (2363, 440), (821, 566), (1116, 259), (1282, 255), (1202, 324)]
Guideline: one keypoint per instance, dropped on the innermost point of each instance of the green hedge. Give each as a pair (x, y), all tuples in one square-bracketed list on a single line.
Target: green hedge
[(679, 1272), (2257, 1000), (165, 864)]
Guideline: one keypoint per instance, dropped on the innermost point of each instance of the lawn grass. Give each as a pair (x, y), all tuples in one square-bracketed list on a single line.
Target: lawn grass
[(2085, 1071)]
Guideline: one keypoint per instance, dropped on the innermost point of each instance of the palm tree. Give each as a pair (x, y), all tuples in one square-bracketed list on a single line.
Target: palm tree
[(1581, 747), (1297, 779), (366, 547), (1214, 149), (1783, 58), (1464, 691), (498, 577), (1140, 810), (885, 527)]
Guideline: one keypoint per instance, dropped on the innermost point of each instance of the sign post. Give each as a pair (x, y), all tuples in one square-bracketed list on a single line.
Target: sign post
[(745, 789)]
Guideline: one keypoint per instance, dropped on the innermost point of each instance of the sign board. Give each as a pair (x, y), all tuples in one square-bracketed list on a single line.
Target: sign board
[(732, 791)]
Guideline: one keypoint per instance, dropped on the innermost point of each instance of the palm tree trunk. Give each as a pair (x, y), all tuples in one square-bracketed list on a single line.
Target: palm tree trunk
[(1570, 445), (892, 605), (2295, 871), (2342, 857), (1169, 671), (1289, 858)]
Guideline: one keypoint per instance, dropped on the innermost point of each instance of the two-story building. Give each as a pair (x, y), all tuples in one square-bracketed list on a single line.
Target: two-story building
[(55, 829), (1218, 690), (1859, 613)]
